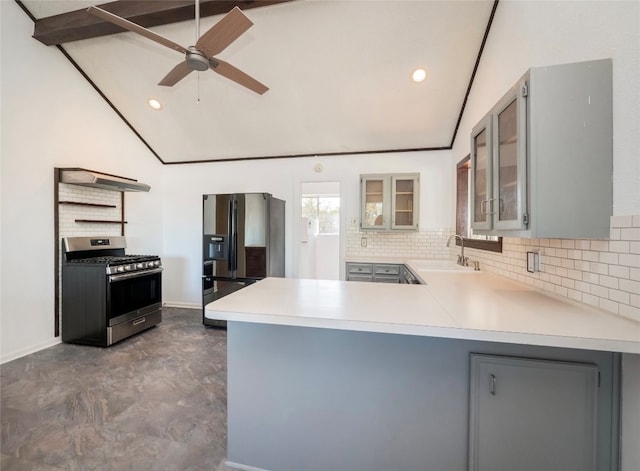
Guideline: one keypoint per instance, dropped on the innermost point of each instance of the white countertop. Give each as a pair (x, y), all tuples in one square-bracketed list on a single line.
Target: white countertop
[(475, 306)]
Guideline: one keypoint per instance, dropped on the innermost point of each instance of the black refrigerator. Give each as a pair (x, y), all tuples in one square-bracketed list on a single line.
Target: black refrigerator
[(243, 242)]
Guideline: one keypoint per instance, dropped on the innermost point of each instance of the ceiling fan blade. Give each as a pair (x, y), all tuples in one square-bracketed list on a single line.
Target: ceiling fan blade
[(232, 73), (128, 25), (224, 32), (179, 72)]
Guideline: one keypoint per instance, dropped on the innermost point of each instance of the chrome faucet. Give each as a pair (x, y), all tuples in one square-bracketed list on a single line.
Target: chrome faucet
[(462, 260)]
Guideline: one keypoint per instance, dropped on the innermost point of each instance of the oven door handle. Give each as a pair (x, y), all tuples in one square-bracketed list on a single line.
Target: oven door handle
[(135, 274)]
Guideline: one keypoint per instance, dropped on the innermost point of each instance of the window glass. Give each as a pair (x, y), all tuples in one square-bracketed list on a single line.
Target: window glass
[(323, 209)]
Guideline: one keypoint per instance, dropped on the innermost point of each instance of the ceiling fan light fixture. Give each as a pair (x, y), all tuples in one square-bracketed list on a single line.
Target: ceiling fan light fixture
[(196, 60), (419, 75), (154, 104)]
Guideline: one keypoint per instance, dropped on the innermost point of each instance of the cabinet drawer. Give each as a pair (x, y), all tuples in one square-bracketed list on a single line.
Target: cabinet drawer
[(387, 279), (352, 277), (360, 268), (383, 269)]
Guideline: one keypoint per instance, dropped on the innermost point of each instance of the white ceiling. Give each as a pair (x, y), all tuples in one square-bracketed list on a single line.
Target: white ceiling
[(338, 73)]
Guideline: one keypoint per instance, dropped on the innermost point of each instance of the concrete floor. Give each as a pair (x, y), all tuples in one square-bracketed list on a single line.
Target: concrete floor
[(156, 401)]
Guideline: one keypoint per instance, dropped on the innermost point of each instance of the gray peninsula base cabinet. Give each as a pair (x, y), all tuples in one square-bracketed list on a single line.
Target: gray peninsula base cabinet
[(318, 399), (552, 404)]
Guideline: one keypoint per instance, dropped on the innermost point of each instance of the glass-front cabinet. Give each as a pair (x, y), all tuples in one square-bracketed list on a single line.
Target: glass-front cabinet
[(374, 215), (481, 175), (403, 202), (509, 160), (389, 201), (498, 161), (541, 158)]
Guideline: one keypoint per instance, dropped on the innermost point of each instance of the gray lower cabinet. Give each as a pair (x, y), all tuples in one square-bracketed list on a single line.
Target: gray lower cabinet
[(528, 414), (376, 272)]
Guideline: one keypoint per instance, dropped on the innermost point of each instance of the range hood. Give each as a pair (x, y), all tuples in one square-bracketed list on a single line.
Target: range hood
[(79, 176)]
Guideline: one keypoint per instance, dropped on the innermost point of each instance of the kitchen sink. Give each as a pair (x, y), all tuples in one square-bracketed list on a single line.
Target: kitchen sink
[(440, 265)]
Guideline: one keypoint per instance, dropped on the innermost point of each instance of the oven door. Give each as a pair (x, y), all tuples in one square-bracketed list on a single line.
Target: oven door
[(130, 295)]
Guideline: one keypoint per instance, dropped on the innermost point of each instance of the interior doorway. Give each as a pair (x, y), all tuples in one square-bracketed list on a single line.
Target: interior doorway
[(319, 231)]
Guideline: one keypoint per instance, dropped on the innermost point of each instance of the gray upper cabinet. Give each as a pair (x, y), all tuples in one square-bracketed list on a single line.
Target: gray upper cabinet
[(389, 201), (542, 157)]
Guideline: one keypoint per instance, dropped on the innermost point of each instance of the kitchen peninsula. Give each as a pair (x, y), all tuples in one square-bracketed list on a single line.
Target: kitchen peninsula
[(346, 375)]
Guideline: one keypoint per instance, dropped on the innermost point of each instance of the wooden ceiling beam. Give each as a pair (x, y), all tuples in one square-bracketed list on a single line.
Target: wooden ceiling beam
[(79, 24)]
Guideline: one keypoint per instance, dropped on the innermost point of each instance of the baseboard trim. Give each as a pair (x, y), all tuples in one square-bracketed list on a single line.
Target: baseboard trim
[(242, 467), (23, 352), (182, 305)]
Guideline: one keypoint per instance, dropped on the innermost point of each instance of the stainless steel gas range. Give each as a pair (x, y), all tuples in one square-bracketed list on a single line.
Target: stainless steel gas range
[(107, 295)]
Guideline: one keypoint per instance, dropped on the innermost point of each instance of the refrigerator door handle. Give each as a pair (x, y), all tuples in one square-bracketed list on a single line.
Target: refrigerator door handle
[(230, 235)]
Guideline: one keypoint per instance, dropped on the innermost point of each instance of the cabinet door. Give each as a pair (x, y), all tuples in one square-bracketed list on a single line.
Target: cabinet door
[(509, 160), (374, 202), (531, 415), (404, 202), (481, 178)]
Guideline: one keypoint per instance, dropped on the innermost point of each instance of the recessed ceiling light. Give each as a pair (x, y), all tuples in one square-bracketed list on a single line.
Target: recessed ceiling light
[(154, 104), (419, 75)]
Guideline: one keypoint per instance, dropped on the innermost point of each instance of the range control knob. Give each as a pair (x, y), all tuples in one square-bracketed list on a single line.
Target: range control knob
[(120, 269), (140, 265)]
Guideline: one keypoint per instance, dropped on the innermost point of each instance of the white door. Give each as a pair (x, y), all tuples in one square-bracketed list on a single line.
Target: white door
[(319, 231)]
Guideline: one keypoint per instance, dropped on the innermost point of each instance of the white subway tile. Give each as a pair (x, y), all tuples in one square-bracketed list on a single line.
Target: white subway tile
[(629, 260), (590, 299), (615, 234), (630, 312), (634, 247), (619, 296), (590, 256), (600, 291), (619, 271), (608, 257), (608, 305), (621, 221), (582, 244), (568, 244), (609, 281), (600, 245), (600, 268), (634, 274), (630, 286), (630, 233), (620, 246)]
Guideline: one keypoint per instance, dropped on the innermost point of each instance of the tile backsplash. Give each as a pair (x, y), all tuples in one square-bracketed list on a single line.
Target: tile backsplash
[(409, 244), (67, 214), (601, 273)]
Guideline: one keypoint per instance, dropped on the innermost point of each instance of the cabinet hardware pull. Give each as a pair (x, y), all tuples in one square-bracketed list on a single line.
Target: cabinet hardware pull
[(139, 321), (492, 386)]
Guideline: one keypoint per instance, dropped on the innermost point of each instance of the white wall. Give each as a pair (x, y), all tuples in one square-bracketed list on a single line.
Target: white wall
[(51, 117), (184, 186), (535, 33)]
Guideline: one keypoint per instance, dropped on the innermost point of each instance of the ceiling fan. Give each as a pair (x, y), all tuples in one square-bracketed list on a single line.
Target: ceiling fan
[(201, 56)]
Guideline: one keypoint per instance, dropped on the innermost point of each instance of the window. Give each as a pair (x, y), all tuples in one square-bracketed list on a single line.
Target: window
[(323, 209), (463, 224)]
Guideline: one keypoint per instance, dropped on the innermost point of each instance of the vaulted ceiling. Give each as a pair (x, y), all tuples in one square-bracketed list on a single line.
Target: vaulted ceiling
[(338, 72)]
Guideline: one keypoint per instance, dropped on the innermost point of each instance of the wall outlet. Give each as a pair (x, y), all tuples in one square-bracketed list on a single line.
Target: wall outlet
[(533, 261), (363, 242)]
